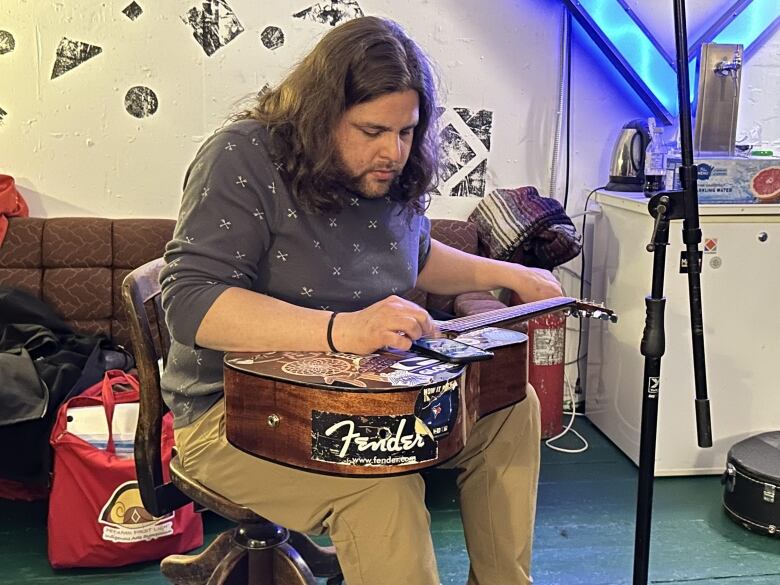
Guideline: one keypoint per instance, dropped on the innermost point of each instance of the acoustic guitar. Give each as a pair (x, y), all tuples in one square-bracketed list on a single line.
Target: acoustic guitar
[(386, 413)]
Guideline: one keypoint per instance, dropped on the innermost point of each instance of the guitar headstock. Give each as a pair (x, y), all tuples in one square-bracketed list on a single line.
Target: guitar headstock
[(590, 310)]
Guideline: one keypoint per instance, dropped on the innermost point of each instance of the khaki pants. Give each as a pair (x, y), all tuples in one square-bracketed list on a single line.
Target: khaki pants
[(380, 526)]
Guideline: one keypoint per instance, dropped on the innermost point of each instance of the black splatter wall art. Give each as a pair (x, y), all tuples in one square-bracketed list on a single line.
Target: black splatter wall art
[(71, 54), (473, 185), (3, 114), (455, 150), (332, 13), (480, 123), (465, 145), (214, 24), (132, 11), (272, 37), (7, 42), (141, 101)]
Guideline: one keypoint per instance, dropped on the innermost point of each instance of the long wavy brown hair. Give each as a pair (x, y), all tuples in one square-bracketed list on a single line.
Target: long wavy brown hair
[(354, 63)]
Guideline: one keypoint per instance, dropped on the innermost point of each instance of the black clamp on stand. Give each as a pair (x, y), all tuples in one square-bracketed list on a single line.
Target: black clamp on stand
[(666, 206)]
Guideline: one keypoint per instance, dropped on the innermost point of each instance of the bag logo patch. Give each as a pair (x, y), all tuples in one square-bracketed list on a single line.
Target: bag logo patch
[(125, 519)]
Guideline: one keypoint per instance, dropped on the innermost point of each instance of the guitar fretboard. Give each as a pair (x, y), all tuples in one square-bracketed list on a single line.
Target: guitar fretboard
[(516, 313)]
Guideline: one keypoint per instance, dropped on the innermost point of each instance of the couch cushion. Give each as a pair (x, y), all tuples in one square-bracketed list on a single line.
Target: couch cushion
[(79, 293), (456, 234), (135, 242), (29, 279), (138, 241), (92, 327), (70, 242), (20, 255), (21, 247)]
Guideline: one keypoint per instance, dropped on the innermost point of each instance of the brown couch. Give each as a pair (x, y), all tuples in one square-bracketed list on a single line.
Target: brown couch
[(77, 266)]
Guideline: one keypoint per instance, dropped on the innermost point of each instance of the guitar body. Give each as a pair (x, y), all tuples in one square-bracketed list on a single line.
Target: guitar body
[(387, 413), (351, 415)]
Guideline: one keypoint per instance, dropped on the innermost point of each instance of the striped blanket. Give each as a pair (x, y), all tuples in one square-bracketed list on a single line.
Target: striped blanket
[(519, 225)]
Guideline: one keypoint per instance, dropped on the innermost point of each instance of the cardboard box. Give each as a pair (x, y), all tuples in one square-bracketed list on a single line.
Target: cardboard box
[(731, 179)]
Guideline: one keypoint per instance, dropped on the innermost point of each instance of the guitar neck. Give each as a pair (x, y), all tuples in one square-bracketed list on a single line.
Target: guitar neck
[(498, 316)]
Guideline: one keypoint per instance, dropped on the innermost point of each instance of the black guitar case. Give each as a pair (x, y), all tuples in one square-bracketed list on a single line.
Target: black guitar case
[(751, 494)]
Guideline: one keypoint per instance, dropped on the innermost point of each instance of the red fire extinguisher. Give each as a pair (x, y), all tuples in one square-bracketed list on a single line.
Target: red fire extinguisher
[(546, 357)]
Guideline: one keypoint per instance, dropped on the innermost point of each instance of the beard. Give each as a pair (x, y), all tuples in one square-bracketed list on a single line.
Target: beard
[(363, 184)]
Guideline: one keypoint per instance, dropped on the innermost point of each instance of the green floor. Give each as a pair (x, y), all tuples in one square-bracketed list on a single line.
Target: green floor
[(584, 531)]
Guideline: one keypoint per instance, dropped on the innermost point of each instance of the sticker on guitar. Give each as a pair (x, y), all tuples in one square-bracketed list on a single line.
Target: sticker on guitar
[(386, 368), (369, 440)]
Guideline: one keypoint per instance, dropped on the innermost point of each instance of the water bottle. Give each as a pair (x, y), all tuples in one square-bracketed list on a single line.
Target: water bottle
[(655, 160)]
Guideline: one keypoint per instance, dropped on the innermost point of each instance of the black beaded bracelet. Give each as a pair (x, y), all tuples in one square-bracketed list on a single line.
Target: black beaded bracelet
[(330, 332)]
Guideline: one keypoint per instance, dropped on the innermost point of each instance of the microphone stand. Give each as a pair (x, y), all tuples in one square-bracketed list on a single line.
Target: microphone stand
[(665, 206)]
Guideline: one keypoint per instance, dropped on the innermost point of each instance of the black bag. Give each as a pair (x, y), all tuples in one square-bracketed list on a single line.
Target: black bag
[(42, 364), (751, 495)]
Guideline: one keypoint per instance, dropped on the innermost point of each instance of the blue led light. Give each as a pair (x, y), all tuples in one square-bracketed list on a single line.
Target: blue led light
[(750, 24), (634, 52), (636, 48), (693, 78)]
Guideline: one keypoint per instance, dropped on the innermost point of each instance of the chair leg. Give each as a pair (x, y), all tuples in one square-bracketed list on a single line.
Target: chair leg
[(196, 569), (321, 560), (290, 568), (223, 562), (232, 569), (280, 565)]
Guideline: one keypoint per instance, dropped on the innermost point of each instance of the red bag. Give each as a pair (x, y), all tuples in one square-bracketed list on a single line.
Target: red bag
[(96, 518)]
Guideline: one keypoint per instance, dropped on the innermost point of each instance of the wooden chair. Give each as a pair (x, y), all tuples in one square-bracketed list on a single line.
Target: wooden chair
[(257, 551)]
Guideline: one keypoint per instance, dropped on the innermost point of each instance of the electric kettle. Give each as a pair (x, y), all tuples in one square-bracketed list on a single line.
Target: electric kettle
[(627, 169)]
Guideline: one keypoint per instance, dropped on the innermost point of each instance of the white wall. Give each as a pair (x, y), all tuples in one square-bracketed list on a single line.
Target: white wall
[(74, 150)]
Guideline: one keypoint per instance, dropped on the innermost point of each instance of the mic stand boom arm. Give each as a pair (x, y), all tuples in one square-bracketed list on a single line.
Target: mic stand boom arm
[(665, 206)]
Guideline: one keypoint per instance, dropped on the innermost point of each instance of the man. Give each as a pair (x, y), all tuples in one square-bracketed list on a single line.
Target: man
[(301, 223)]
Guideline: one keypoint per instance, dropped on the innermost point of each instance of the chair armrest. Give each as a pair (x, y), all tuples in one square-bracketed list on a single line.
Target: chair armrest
[(472, 303)]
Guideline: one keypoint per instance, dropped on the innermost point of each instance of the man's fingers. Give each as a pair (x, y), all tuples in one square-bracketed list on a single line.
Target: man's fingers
[(397, 322), (407, 325), (426, 324), (396, 340)]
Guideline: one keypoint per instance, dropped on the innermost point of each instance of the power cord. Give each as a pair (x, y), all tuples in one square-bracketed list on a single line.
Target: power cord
[(582, 279), (569, 427), (580, 356)]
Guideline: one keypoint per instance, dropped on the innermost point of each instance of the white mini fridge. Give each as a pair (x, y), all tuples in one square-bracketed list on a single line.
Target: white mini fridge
[(741, 307)]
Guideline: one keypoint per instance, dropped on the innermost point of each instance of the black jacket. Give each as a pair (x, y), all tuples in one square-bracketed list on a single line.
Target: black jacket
[(42, 363)]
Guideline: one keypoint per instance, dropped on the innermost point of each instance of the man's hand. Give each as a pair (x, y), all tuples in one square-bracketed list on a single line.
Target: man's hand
[(392, 322), (535, 284)]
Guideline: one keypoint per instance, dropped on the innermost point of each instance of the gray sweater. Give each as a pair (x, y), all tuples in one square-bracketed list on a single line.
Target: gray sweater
[(239, 226)]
